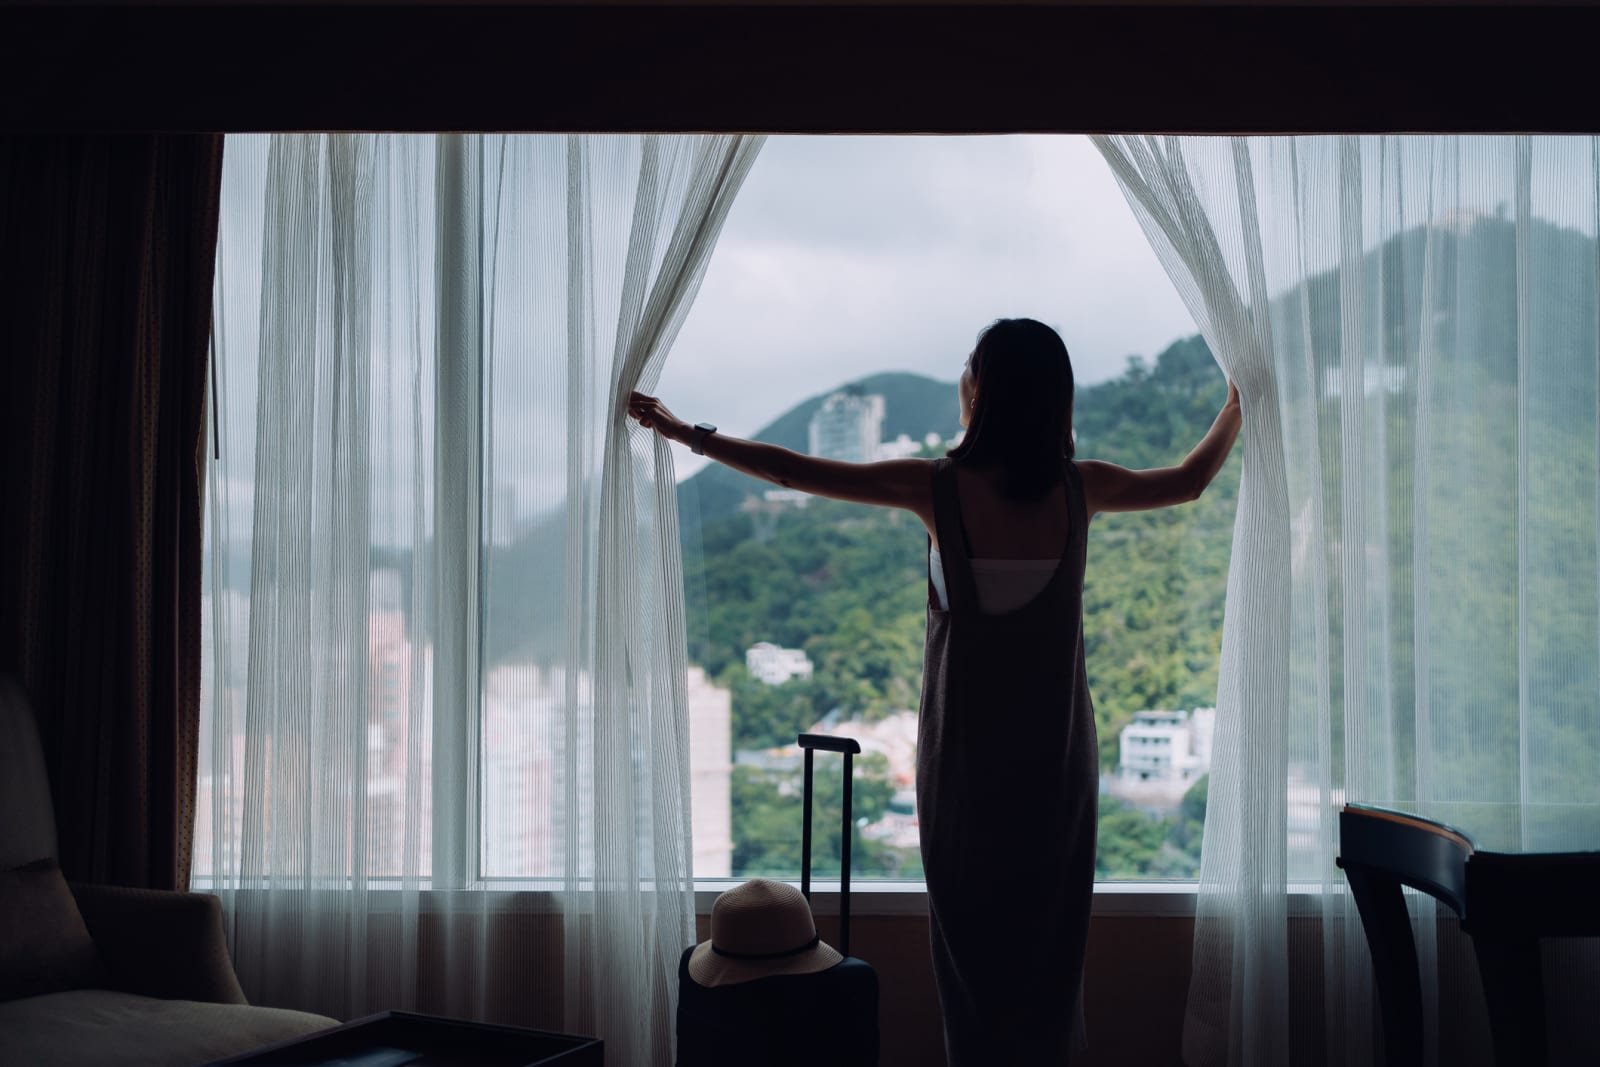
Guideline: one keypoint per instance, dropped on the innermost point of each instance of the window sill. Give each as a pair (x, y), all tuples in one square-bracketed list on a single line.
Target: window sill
[(1173, 900), (888, 898), (867, 898)]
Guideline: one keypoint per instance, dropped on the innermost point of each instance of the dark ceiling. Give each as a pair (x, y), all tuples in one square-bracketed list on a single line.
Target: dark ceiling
[(842, 68)]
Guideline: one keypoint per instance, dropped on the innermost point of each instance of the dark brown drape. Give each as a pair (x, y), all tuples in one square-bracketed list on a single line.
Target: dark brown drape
[(107, 248)]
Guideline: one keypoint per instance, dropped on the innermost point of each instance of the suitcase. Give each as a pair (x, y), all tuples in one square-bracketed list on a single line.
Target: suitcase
[(830, 1017)]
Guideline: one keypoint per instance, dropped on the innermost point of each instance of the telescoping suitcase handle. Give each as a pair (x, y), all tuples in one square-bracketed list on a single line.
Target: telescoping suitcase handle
[(849, 747)]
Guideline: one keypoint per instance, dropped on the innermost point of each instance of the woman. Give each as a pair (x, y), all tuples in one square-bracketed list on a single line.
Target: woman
[(1007, 761)]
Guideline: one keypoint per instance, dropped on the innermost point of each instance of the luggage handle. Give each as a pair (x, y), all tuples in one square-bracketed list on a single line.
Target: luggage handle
[(850, 747)]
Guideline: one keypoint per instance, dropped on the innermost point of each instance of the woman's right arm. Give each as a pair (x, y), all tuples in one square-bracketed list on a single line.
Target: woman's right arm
[(1108, 487)]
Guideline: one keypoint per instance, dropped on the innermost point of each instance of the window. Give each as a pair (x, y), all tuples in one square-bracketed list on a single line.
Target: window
[(848, 286)]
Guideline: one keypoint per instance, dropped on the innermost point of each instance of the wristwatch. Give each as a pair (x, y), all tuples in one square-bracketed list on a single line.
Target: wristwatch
[(698, 435)]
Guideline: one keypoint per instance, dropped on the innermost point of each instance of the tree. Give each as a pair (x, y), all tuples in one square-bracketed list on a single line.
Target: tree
[(767, 820)]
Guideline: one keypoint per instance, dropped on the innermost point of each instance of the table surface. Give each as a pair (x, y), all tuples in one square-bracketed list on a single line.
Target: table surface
[(406, 1039), (1507, 827)]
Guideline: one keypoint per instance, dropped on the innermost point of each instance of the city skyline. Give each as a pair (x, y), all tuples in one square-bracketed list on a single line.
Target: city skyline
[(521, 781)]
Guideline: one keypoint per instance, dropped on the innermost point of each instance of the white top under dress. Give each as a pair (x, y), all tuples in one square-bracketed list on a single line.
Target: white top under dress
[(1003, 584)]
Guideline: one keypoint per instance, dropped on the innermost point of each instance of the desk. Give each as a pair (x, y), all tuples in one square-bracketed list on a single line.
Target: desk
[(1506, 900)]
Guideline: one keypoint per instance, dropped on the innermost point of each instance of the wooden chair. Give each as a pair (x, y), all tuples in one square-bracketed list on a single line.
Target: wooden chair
[(1381, 851), (1506, 903)]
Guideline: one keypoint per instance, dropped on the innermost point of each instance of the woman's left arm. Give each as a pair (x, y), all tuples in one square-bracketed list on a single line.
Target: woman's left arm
[(1108, 487), (898, 483)]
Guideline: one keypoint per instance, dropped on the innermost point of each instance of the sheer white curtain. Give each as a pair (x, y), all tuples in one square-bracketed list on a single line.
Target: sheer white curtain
[(444, 753), (1413, 612)]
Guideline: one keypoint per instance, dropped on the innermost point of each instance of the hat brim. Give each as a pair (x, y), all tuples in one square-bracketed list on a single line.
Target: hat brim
[(711, 970)]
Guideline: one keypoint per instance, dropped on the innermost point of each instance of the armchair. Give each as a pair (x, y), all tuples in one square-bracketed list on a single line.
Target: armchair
[(107, 974)]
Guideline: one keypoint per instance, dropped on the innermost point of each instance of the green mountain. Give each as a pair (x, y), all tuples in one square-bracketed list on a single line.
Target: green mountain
[(913, 405)]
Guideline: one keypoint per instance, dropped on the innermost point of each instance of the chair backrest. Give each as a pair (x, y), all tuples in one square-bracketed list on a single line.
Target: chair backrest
[(1413, 851), (27, 815)]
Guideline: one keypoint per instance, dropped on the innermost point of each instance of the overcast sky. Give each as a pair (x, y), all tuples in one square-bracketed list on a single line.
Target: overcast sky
[(845, 256)]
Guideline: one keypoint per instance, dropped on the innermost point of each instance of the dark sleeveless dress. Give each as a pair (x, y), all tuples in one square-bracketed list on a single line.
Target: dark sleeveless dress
[(1007, 789)]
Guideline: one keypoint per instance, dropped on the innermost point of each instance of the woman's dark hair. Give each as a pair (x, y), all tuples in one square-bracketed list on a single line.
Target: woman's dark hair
[(1022, 412)]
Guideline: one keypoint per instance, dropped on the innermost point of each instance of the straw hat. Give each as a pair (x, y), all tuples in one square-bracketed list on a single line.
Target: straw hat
[(760, 929)]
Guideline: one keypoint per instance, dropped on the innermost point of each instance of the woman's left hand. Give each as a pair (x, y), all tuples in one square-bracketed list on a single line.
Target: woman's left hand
[(652, 414)]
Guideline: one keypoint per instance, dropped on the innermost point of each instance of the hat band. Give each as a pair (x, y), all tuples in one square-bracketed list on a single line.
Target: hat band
[(815, 940)]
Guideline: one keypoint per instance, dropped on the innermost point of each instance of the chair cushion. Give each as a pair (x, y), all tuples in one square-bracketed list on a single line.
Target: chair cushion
[(126, 1030), (44, 945)]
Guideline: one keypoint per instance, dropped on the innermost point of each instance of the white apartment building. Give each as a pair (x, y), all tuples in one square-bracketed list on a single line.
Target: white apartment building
[(895, 738), (711, 775), (521, 818), (775, 665), (901, 447), (848, 426), (524, 775), (1161, 754)]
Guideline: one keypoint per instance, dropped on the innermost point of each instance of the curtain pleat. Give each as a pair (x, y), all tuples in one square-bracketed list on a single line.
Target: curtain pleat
[(1412, 608), (106, 270), (445, 763)]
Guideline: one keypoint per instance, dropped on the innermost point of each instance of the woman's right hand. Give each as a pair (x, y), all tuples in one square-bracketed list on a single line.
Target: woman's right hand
[(653, 415)]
